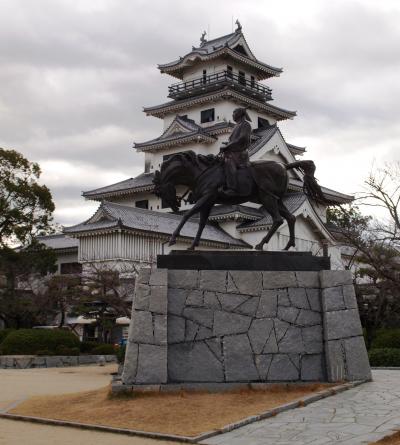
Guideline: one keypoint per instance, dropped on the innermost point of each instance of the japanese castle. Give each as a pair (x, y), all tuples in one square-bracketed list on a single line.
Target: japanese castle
[(210, 81)]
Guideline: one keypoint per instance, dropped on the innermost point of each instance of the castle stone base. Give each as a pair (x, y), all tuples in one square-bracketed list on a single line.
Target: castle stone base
[(215, 326)]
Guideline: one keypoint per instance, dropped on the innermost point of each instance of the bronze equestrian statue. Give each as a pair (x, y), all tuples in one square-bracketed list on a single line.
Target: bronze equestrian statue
[(263, 182)]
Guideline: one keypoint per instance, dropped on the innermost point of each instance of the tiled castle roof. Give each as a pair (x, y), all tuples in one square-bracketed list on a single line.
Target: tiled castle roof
[(143, 182), (116, 216), (227, 93), (59, 242), (224, 45), (183, 130)]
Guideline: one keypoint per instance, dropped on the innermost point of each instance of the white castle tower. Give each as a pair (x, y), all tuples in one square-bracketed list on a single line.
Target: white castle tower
[(132, 224)]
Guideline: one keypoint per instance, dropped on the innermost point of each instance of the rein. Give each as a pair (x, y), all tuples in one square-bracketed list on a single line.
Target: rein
[(182, 198)]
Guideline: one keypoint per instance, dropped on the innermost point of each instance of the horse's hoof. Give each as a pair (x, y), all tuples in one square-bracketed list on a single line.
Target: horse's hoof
[(172, 241), (289, 245), (259, 247)]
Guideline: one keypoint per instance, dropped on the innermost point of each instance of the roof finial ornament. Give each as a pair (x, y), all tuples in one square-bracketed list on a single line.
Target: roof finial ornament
[(203, 39), (239, 26)]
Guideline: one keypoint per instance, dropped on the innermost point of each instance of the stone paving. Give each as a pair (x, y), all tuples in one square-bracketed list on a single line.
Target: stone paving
[(358, 416)]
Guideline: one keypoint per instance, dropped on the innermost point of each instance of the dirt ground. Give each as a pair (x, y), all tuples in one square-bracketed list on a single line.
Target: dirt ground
[(183, 413), (389, 440)]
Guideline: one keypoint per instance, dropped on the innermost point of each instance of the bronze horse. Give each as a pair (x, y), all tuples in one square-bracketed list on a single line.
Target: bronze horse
[(264, 182)]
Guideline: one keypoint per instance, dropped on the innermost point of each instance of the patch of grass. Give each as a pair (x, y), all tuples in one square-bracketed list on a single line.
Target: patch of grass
[(182, 413), (120, 395), (393, 439)]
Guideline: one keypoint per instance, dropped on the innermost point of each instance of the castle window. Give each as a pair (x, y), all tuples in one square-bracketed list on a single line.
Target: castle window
[(252, 81), (204, 76), (229, 71), (142, 204), (263, 123), (239, 49), (242, 77), (207, 115)]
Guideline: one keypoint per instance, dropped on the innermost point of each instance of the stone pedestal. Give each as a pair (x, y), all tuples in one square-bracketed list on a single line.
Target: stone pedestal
[(226, 326)]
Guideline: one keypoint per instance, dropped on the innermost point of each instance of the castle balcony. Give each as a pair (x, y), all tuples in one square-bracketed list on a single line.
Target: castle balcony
[(216, 81)]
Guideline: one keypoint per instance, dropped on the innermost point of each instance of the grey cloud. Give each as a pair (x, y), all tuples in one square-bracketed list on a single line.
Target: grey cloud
[(74, 75)]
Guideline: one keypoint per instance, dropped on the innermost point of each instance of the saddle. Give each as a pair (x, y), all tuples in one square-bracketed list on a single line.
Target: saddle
[(245, 181)]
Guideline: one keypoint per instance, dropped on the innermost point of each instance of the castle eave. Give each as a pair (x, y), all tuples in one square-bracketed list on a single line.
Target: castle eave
[(141, 183), (115, 217), (176, 68), (181, 140), (162, 110)]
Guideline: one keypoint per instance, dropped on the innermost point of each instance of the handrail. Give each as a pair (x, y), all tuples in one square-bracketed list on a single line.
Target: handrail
[(221, 76)]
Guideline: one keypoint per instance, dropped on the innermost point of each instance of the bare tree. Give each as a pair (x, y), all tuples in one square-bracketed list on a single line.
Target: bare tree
[(383, 191), (375, 245), (105, 294)]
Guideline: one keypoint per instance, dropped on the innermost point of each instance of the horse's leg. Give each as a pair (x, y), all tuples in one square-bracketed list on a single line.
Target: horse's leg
[(271, 206), (196, 208), (291, 220), (204, 213)]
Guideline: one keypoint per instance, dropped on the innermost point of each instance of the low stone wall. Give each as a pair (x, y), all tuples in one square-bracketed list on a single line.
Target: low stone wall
[(50, 361), (244, 326)]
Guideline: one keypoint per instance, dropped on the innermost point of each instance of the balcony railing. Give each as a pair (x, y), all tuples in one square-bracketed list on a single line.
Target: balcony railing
[(216, 81)]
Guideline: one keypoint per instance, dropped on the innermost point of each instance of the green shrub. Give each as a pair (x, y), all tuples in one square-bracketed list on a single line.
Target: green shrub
[(87, 346), (65, 350), (4, 333), (29, 341), (121, 354), (104, 349), (384, 357), (44, 352), (386, 338)]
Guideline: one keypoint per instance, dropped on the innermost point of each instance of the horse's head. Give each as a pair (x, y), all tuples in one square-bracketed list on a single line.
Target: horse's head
[(171, 174), (166, 191), (179, 169)]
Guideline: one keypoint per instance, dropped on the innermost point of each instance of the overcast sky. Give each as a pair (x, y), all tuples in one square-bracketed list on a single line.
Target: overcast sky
[(75, 74)]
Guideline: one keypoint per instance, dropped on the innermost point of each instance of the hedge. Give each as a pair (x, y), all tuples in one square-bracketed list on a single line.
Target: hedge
[(4, 333), (30, 341), (386, 338), (86, 347), (104, 349), (384, 357)]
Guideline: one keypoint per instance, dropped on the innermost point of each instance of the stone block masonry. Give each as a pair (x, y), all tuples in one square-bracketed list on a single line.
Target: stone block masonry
[(208, 326), (51, 361), (146, 351), (345, 352)]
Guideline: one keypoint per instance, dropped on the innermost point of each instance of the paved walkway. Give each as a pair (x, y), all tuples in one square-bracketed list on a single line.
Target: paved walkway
[(358, 416), (17, 384)]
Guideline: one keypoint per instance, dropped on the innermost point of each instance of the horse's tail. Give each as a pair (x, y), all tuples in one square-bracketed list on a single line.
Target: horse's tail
[(310, 185)]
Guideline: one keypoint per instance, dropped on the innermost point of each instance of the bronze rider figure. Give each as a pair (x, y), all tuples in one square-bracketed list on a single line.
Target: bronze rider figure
[(235, 151)]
